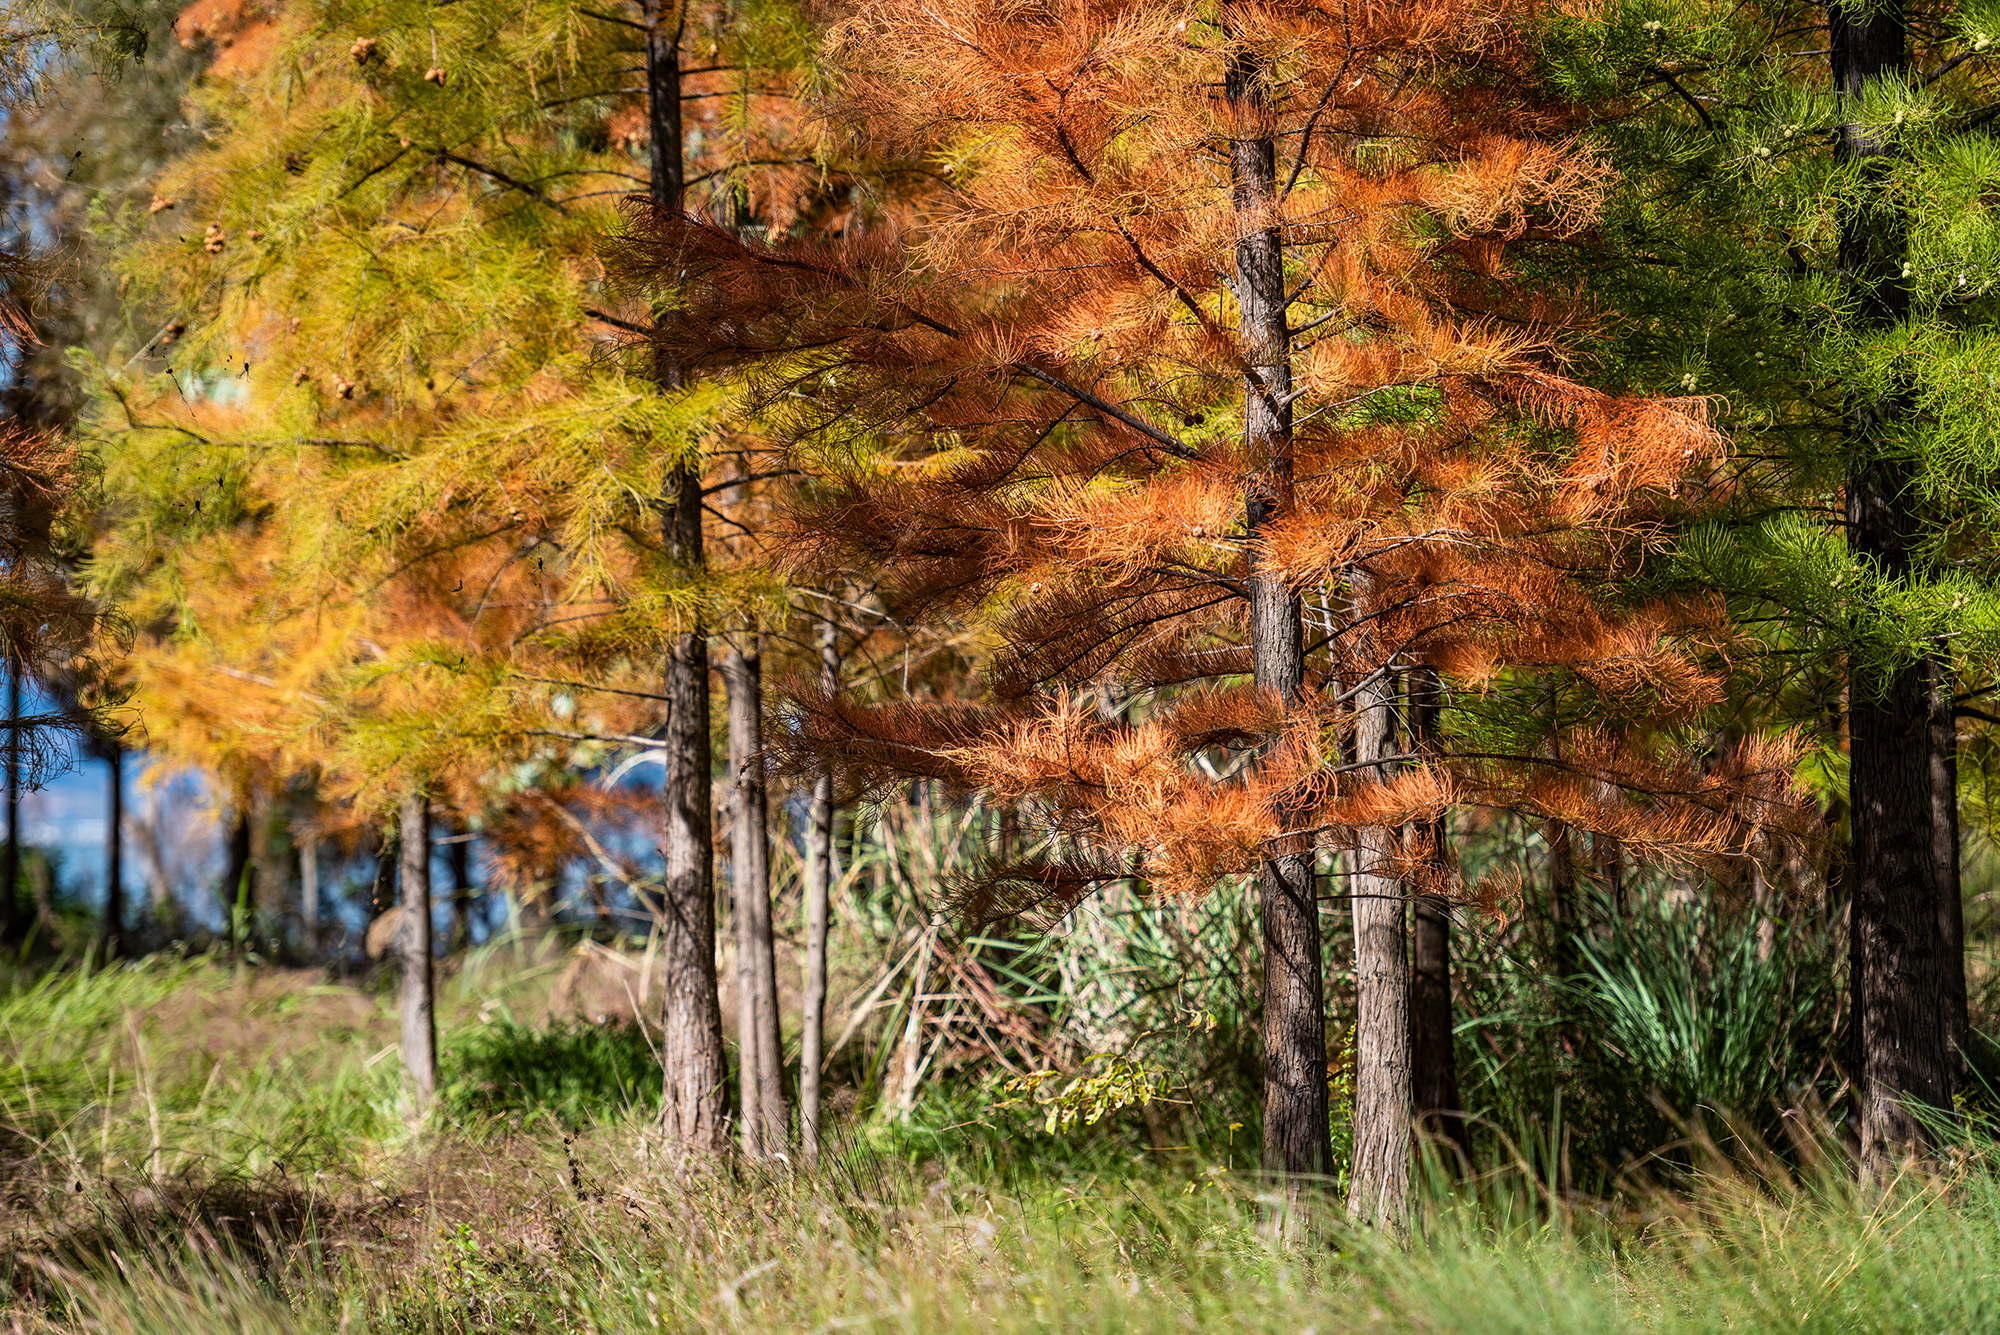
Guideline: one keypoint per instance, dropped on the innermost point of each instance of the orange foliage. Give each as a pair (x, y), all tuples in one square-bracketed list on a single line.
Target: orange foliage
[(1058, 325)]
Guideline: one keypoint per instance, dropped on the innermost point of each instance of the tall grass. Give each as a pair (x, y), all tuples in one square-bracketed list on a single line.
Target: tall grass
[(590, 1237)]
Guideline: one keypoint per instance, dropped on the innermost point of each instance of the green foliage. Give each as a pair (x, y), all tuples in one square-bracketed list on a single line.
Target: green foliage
[(1700, 1011), (571, 1072), (1109, 1082), (1681, 1016)]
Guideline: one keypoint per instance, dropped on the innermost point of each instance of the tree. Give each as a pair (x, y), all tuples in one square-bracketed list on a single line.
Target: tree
[(486, 535), (1810, 233), (1211, 338)]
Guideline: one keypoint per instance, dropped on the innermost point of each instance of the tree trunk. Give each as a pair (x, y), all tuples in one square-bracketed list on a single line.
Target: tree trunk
[(1944, 859), (1379, 1185), (309, 892), (819, 894), (114, 852), (10, 857), (744, 674), (694, 1111), (1297, 1145), (1433, 1060), (235, 888), (462, 890), (749, 1034), (1899, 990), (413, 949)]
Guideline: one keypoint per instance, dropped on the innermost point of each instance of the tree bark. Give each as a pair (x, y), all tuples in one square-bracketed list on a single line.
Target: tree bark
[(744, 674), (235, 890), (463, 892), (1379, 1183), (413, 950), (1297, 1145), (10, 857), (114, 851), (309, 892), (694, 1111), (1433, 1059), (1899, 989), (819, 894), (1944, 859)]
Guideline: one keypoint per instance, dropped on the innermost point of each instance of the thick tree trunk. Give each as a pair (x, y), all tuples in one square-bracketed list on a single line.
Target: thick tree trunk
[(1900, 993), (1433, 1059), (819, 894), (1379, 1184), (114, 851), (1944, 858), (413, 951), (1297, 1145), (694, 1111)]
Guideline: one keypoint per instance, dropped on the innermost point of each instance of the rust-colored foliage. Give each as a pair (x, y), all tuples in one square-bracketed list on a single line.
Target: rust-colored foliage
[(1052, 345)]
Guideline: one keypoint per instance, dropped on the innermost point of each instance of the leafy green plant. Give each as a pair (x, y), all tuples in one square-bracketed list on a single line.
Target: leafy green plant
[(1108, 1083)]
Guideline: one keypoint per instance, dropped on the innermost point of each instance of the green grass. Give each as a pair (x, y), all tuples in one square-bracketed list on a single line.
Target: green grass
[(190, 1146)]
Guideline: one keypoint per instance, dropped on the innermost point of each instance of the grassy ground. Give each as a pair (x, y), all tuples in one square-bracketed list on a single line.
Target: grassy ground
[(190, 1146)]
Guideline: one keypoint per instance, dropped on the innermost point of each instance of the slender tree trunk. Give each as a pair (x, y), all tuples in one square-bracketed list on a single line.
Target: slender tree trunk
[(749, 1103), (1433, 1060), (819, 895), (1900, 993), (744, 674), (1296, 1141), (1379, 1185), (309, 892), (1944, 858), (235, 890), (114, 851), (462, 890), (413, 948), (694, 1111), (10, 857)]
